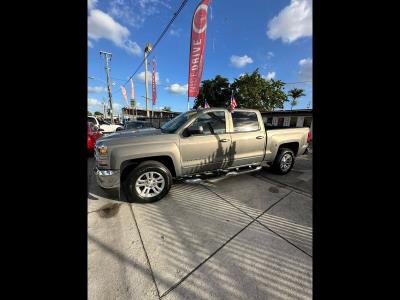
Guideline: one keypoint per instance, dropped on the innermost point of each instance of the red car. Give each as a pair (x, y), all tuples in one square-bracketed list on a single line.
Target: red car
[(93, 135)]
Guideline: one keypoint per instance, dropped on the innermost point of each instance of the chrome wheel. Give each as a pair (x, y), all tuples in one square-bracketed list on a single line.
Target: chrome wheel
[(286, 162), (150, 184)]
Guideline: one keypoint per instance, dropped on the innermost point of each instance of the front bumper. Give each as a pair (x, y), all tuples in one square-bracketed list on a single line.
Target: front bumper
[(107, 179)]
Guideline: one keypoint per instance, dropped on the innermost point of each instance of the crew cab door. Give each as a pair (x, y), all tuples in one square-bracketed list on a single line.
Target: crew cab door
[(209, 150), (248, 138)]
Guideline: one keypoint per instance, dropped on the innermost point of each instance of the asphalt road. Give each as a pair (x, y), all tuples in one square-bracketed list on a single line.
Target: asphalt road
[(244, 237)]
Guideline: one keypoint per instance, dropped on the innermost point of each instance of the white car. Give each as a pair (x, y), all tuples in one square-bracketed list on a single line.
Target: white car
[(105, 126)]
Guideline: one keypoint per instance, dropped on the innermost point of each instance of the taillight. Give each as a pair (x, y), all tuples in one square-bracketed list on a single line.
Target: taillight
[(309, 137)]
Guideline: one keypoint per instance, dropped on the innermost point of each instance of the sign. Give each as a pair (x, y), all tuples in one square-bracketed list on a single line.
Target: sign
[(197, 46)]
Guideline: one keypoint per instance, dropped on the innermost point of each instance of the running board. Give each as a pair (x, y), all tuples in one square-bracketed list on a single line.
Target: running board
[(234, 173), (227, 174)]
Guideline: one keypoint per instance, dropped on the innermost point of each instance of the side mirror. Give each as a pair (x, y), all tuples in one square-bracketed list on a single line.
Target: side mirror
[(101, 129), (191, 131)]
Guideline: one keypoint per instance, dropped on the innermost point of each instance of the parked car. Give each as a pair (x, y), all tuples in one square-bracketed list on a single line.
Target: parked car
[(135, 125), (93, 135), (212, 140), (106, 126)]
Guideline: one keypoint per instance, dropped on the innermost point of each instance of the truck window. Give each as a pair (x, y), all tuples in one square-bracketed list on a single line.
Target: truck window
[(245, 121), (212, 122), (91, 120)]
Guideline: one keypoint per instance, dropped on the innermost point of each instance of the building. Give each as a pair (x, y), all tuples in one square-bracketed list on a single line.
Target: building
[(289, 118), (134, 113)]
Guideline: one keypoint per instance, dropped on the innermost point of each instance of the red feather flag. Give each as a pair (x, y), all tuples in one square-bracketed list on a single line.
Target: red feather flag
[(123, 90), (197, 46), (153, 83)]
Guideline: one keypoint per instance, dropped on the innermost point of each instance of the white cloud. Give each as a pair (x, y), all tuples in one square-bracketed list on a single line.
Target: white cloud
[(96, 89), (92, 4), (240, 61), (242, 74), (89, 43), (178, 89), (270, 75), (132, 47), (93, 102), (116, 106), (102, 26), (305, 69), (135, 13), (140, 76), (270, 54), (167, 80), (292, 22), (175, 32)]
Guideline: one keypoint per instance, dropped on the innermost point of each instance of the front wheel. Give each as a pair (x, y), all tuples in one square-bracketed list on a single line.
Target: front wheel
[(119, 129), (284, 161), (148, 182)]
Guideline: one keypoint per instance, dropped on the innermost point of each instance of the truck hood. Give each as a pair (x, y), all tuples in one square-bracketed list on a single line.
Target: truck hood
[(128, 135)]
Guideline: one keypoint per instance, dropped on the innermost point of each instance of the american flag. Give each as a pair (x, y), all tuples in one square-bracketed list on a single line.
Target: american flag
[(206, 104), (233, 102)]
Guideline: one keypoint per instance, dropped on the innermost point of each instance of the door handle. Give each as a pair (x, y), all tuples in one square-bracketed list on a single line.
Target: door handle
[(225, 140), (259, 137)]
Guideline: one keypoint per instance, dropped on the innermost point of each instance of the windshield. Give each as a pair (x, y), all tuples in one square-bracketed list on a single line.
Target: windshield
[(174, 124), (102, 122)]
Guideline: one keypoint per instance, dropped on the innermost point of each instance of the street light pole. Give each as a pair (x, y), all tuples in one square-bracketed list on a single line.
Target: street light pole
[(107, 56), (147, 50)]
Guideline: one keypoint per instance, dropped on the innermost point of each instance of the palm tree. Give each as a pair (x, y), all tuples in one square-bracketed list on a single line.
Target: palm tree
[(295, 93)]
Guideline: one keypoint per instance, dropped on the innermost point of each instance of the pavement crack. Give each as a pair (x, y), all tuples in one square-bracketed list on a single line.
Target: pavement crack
[(145, 252), (256, 219)]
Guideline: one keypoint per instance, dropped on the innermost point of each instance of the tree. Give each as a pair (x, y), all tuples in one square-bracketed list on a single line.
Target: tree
[(253, 91), (89, 113), (97, 113), (295, 93), (216, 91), (166, 108)]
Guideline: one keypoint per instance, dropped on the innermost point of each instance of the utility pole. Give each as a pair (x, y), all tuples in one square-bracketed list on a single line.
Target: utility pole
[(107, 57), (147, 50), (103, 105)]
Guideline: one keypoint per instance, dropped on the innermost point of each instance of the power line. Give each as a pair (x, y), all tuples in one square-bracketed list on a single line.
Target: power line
[(298, 82), (160, 37)]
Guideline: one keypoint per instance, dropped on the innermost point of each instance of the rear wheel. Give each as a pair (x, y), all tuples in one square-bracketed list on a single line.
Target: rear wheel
[(118, 129), (284, 161), (148, 182)]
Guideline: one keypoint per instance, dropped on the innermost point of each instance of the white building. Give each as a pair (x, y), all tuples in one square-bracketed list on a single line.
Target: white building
[(289, 118)]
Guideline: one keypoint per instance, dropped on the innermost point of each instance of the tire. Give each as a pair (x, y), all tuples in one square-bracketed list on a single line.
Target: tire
[(279, 166), (118, 129), (162, 181)]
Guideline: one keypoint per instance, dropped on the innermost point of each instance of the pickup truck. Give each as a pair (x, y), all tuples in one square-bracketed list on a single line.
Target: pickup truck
[(143, 164), (104, 126)]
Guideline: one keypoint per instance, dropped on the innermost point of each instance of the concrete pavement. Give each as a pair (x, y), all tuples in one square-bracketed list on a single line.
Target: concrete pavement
[(245, 237)]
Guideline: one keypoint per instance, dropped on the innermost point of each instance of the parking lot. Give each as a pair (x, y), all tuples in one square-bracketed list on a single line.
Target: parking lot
[(242, 237)]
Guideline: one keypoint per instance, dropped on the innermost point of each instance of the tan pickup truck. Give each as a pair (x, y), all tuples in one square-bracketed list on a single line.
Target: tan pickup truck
[(195, 143)]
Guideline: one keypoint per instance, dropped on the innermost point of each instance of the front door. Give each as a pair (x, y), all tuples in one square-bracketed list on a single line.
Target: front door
[(209, 150)]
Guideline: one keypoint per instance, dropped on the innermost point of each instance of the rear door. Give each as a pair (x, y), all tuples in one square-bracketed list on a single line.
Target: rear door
[(248, 138), (207, 151)]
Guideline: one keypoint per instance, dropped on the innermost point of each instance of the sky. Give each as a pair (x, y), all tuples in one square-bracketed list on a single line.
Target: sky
[(272, 35)]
